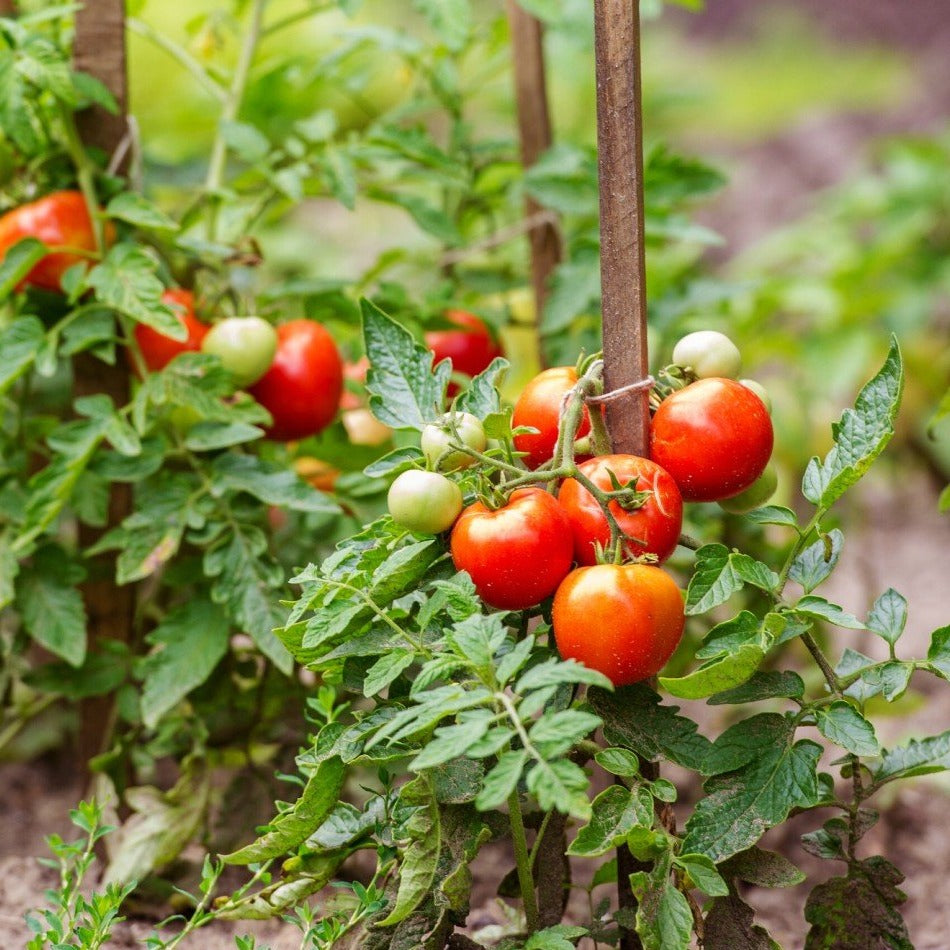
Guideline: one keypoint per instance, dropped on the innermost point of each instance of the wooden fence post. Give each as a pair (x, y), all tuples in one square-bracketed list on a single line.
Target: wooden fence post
[(622, 269), (534, 127), (99, 49)]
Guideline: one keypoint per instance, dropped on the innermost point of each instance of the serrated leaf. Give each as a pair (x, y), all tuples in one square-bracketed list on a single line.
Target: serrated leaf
[(451, 19), (724, 673), (730, 925), (634, 718), (133, 208), (18, 261), (392, 463), (270, 483), (888, 616), (762, 868), (481, 397), (405, 392), (816, 562), (208, 436), (614, 812), (704, 874), (450, 742), (51, 605), (501, 781), (773, 514), (759, 774), (664, 920), (713, 581), (562, 785), (938, 655), (764, 684), (556, 672), (191, 640), (555, 732), (842, 724), (821, 609), (20, 343), (618, 761), (916, 757), (291, 828), (385, 670)]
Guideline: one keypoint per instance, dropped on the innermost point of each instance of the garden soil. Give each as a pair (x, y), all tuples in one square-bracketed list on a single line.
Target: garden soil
[(902, 543)]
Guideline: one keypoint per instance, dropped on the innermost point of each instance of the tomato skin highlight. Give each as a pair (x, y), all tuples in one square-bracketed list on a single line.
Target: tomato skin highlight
[(518, 554), (624, 620), (539, 406), (60, 219), (301, 390), (159, 350), (471, 348), (657, 524), (714, 437)]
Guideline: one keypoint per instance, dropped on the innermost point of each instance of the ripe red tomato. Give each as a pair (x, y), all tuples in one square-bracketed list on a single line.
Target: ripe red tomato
[(656, 524), (159, 350), (539, 406), (301, 390), (714, 437), (470, 348), (624, 620), (518, 554), (59, 220)]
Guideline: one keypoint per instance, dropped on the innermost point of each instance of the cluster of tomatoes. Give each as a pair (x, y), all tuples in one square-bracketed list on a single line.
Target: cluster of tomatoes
[(615, 610)]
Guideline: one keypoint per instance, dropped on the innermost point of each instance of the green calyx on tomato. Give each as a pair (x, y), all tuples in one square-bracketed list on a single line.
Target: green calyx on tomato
[(245, 346), (454, 428), (708, 353), (426, 502), (623, 620), (650, 522), (714, 437), (755, 496), (516, 554)]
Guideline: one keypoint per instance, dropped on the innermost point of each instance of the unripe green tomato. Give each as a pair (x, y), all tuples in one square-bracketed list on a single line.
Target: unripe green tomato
[(245, 346), (755, 496), (426, 502), (760, 391), (437, 437), (709, 353)]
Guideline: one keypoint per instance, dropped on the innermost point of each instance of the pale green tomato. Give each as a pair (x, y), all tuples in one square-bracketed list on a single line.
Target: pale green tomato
[(438, 436), (245, 346), (426, 502), (755, 496), (709, 353), (760, 391)]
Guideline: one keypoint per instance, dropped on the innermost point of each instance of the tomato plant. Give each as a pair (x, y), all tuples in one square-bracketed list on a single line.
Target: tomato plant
[(623, 620), (516, 554), (301, 389), (246, 347), (424, 501), (471, 348), (648, 512), (61, 221), (714, 437), (539, 407), (708, 353), (158, 349), (459, 427)]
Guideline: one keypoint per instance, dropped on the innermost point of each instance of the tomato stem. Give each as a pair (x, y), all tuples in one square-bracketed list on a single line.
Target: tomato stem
[(523, 862)]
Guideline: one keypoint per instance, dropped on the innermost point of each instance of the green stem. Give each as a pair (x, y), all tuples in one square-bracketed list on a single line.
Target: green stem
[(533, 857), (523, 863), (85, 174), (229, 112)]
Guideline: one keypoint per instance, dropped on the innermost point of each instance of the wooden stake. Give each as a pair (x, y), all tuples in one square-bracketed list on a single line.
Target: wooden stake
[(99, 49), (622, 264), (534, 127)]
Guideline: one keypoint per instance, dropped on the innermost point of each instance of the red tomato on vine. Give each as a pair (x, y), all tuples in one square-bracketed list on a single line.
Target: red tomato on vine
[(539, 406), (714, 437), (59, 220), (516, 555), (301, 390), (159, 350), (624, 620), (654, 528), (471, 348)]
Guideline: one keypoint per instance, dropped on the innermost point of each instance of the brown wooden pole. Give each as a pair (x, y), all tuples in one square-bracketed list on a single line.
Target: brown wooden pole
[(99, 49), (7, 8), (534, 127), (622, 271)]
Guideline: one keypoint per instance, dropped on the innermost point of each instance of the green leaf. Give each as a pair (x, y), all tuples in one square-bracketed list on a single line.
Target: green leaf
[(762, 868), (721, 674), (765, 684), (133, 208), (450, 742), (720, 573), (18, 261), (821, 609), (860, 435), (481, 397), (559, 937), (730, 925), (245, 140), (291, 828), (888, 616), (20, 343), (51, 605), (938, 656), (269, 482), (9, 568), (392, 463), (634, 718), (614, 812), (773, 514), (191, 640), (557, 672), (385, 670), (451, 19), (704, 874), (420, 860), (209, 436), (916, 757), (842, 724), (664, 920), (561, 784), (618, 761), (127, 281), (860, 910), (501, 780), (405, 393), (759, 774), (816, 562)]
